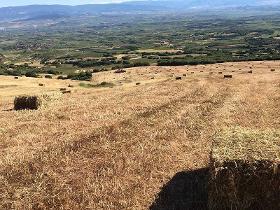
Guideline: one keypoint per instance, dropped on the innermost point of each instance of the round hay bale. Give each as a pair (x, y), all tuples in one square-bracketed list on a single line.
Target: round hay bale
[(27, 103), (15, 77), (41, 85), (138, 83), (178, 78), (62, 89)]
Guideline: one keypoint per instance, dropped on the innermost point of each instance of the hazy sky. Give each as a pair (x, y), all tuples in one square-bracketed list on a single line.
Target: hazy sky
[(4, 3)]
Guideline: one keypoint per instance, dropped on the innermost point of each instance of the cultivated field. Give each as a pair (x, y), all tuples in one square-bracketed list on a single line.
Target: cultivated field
[(130, 146)]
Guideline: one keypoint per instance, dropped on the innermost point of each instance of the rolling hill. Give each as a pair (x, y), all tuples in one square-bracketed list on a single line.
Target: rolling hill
[(54, 11)]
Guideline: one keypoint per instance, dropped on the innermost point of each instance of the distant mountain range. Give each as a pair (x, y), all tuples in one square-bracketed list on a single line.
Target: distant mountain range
[(56, 11)]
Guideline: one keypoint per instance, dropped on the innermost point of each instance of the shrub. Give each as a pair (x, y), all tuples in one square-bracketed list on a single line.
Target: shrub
[(62, 77), (102, 84), (141, 63), (52, 71), (86, 76), (31, 73), (15, 72)]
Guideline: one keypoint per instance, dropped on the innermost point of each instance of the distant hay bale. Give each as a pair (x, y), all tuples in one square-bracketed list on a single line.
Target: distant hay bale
[(250, 72), (227, 76), (220, 72), (120, 71), (41, 85), (184, 75), (15, 77), (272, 70), (48, 77), (66, 91), (27, 102), (245, 170), (138, 83), (62, 89), (178, 78)]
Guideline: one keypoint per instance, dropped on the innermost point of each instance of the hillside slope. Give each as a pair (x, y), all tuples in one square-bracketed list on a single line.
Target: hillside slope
[(26, 12), (132, 146)]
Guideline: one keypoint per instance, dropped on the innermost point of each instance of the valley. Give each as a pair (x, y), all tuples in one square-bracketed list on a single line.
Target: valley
[(129, 99)]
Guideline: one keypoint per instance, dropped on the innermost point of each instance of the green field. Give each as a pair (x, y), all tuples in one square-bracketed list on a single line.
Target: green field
[(99, 43)]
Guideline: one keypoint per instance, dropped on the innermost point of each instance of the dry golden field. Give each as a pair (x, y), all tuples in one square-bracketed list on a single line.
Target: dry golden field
[(131, 146)]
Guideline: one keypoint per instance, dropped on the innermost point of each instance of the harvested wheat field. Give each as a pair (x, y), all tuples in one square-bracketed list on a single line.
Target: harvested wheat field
[(130, 146)]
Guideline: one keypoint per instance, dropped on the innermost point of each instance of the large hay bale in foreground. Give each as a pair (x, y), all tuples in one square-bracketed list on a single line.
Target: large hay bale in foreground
[(27, 102), (245, 171)]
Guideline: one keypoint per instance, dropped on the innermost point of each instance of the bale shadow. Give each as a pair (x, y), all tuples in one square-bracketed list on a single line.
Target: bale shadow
[(8, 110), (187, 190)]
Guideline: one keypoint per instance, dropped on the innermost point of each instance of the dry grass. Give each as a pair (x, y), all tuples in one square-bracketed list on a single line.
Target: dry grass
[(247, 145), (115, 148)]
